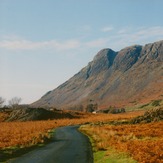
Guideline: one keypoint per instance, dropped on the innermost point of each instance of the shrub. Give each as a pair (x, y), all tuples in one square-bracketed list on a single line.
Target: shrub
[(156, 103)]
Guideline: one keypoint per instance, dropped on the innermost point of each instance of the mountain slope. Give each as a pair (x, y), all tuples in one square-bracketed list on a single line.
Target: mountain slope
[(132, 75)]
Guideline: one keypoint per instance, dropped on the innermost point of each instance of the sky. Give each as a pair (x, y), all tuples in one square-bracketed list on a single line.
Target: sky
[(45, 42)]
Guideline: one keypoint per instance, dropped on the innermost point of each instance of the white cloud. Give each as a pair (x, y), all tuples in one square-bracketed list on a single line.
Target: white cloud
[(107, 29), (145, 33), (65, 45), (130, 36), (117, 40), (22, 44)]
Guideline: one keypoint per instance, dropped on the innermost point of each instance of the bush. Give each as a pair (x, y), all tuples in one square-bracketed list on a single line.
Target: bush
[(156, 103)]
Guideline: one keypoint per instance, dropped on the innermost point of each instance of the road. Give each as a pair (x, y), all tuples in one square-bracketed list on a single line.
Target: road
[(68, 146)]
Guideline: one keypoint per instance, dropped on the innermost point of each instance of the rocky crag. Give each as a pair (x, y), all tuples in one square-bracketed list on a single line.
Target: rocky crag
[(132, 75)]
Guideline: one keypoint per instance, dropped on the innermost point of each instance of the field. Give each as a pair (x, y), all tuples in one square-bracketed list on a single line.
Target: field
[(33, 132), (141, 141)]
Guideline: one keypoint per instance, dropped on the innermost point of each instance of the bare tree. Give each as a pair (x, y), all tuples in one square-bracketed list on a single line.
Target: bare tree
[(14, 102), (1, 101)]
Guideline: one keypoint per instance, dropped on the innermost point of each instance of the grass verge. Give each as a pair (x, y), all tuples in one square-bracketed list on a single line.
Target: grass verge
[(112, 156)]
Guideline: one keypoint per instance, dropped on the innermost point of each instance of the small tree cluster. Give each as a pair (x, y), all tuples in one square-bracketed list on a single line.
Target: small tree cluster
[(91, 107), (14, 102), (1, 102)]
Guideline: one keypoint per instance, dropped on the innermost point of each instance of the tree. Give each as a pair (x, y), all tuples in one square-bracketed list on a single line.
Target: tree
[(14, 102), (1, 101)]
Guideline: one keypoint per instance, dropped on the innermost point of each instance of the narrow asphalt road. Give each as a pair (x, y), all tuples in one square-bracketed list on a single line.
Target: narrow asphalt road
[(68, 146)]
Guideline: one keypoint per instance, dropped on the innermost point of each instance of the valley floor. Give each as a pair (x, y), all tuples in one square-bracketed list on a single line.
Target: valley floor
[(111, 135)]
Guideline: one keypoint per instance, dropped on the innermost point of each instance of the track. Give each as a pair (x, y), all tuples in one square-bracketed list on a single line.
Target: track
[(68, 146)]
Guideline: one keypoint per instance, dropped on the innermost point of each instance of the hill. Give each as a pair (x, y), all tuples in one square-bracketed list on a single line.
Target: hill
[(127, 77)]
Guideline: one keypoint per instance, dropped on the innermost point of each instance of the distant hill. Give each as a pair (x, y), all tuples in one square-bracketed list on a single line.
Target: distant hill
[(132, 75)]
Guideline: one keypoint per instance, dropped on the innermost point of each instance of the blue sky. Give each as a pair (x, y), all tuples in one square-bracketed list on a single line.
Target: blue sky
[(45, 42)]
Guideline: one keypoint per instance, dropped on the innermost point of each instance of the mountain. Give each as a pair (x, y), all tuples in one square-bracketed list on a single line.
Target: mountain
[(127, 77)]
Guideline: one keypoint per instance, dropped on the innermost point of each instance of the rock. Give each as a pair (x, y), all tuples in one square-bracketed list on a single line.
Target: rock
[(127, 57)]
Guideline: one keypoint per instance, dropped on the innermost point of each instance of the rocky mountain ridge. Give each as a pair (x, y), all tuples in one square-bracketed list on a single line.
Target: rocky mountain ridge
[(132, 75)]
